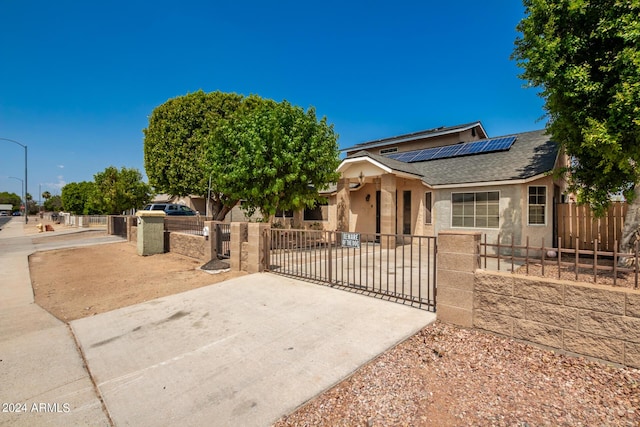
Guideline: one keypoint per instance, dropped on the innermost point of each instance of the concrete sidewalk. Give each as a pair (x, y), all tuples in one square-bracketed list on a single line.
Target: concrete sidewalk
[(240, 353), (43, 381)]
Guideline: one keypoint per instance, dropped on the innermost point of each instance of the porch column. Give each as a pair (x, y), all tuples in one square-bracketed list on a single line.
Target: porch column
[(343, 204), (388, 209)]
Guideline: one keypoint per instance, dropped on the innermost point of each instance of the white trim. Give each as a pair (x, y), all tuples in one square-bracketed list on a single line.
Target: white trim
[(474, 210), (546, 206), (489, 183), (365, 159), (379, 165)]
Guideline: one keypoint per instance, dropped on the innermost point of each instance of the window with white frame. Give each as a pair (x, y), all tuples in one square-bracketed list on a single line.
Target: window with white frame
[(537, 205), (427, 207), (475, 210)]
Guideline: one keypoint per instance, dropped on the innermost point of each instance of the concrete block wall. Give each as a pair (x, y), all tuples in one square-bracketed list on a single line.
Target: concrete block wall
[(592, 320), (189, 245), (458, 259)]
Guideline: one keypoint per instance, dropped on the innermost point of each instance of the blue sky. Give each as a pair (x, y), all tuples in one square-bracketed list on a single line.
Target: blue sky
[(78, 79)]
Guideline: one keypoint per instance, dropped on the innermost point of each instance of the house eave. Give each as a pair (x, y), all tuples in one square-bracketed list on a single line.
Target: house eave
[(383, 167), (490, 183), (351, 160)]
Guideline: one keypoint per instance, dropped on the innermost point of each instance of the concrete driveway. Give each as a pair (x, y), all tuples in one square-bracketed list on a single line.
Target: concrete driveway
[(240, 353)]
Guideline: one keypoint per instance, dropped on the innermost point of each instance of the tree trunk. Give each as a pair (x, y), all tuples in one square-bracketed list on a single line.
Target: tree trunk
[(219, 210), (631, 230)]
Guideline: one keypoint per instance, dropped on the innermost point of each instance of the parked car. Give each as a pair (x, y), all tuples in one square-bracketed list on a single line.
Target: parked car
[(3, 213), (171, 209)]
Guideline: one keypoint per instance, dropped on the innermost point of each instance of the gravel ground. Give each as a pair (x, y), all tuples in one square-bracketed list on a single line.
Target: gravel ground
[(450, 376)]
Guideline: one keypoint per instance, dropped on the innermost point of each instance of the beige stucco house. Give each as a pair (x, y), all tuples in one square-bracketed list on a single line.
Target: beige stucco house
[(450, 178), (453, 177)]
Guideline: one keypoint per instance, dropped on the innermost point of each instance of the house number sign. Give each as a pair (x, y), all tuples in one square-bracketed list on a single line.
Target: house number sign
[(351, 240)]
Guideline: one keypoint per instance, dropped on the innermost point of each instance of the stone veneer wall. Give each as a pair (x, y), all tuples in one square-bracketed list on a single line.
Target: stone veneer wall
[(189, 245), (592, 320)]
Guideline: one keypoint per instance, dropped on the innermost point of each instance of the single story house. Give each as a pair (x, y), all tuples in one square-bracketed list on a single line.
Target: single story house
[(450, 178)]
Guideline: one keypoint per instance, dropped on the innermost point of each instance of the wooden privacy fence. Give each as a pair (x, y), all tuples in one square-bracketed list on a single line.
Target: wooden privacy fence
[(579, 222)]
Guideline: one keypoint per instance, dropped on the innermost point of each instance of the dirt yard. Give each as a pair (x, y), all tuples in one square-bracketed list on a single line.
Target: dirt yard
[(81, 282)]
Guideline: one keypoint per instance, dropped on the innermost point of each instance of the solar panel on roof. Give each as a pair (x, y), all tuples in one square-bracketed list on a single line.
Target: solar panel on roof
[(447, 151), (499, 144), (471, 148), (426, 154), (403, 157), (456, 150)]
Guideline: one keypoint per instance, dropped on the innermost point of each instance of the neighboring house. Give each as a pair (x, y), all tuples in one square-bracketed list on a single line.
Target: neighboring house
[(450, 178), (6, 208)]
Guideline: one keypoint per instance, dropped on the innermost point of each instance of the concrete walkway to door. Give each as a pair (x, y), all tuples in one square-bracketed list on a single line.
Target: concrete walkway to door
[(243, 352)]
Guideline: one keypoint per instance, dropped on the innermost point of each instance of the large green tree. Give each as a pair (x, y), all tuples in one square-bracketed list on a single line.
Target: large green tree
[(585, 57), (272, 155), (53, 204), (282, 155), (117, 191), (175, 145), (11, 199), (77, 198), (112, 192)]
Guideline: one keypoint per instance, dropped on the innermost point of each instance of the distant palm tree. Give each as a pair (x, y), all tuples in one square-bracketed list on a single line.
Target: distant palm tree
[(46, 195)]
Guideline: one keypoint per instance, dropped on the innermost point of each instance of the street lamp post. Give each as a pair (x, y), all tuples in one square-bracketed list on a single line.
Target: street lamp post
[(22, 187), (26, 188)]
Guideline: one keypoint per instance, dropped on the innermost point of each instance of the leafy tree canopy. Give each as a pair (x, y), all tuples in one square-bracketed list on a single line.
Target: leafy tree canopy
[(119, 190), (53, 204), (585, 57), (175, 144), (281, 155), (272, 155), (113, 191), (11, 199), (76, 198)]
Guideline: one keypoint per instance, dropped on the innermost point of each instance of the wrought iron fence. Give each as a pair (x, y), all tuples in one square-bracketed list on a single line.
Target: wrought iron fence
[(185, 224), (564, 262), (397, 267)]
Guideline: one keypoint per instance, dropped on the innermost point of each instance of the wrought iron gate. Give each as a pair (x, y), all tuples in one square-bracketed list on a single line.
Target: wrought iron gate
[(396, 267), (119, 225), (223, 240)]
